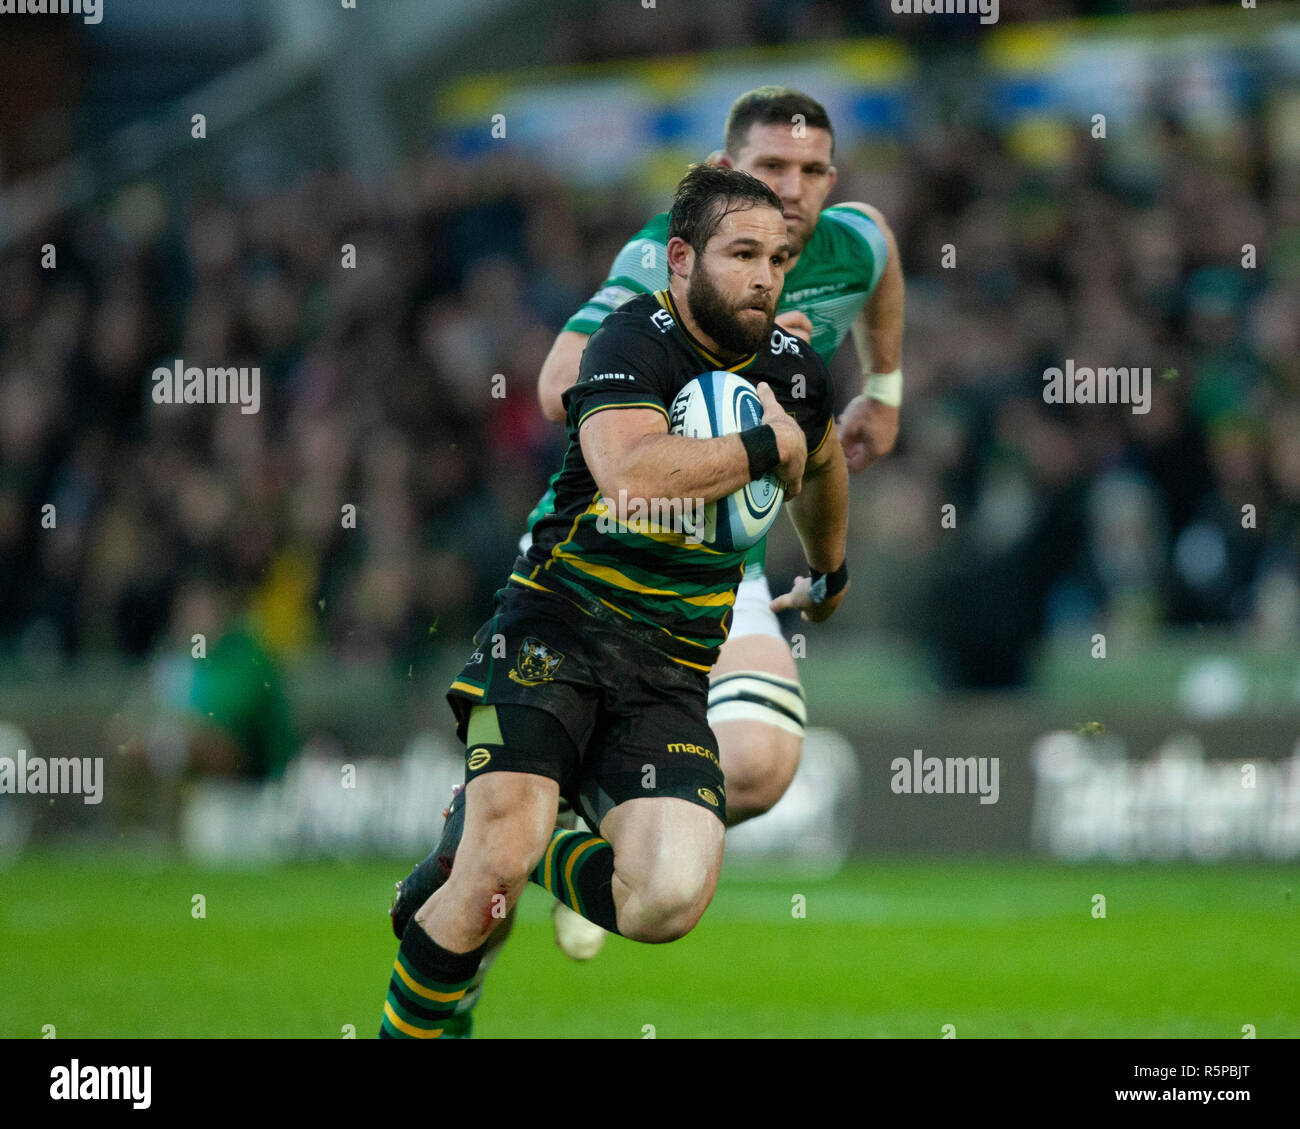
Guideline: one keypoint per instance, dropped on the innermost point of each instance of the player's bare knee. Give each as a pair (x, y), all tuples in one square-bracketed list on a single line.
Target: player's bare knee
[(484, 888), (506, 869), (505, 859), (657, 931), (667, 905), (495, 858), (657, 923), (759, 765), (754, 798)]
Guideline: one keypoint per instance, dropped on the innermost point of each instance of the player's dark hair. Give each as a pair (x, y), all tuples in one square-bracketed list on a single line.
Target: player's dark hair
[(773, 105), (708, 193)]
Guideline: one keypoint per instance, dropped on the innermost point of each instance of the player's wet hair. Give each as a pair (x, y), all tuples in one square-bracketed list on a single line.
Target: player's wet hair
[(773, 105), (708, 193)]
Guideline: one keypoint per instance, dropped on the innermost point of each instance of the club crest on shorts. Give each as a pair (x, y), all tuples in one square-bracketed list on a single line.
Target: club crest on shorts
[(537, 663)]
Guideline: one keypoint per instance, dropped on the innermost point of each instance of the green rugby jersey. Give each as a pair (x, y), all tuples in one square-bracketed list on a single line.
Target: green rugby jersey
[(836, 273), (646, 570)]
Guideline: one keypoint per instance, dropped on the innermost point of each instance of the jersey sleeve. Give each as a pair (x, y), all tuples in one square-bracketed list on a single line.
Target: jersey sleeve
[(641, 267), (863, 234), (623, 366), (820, 414), (804, 387)]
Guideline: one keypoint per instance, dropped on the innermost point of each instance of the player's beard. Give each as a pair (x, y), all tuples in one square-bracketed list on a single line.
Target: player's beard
[(718, 319)]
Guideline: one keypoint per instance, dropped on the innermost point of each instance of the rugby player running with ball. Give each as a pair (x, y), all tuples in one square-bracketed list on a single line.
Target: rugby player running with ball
[(843, 275), (607, 634)]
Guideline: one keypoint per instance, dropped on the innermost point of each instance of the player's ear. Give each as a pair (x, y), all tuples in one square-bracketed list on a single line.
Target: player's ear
[(719, 157), (681, 256), (832, 175)]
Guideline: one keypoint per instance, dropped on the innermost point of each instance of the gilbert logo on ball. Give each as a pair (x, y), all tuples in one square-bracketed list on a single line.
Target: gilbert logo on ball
[(712, 405)]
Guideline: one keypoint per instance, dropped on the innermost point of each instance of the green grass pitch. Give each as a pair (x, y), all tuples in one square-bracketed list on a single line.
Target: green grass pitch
[(109, 946)]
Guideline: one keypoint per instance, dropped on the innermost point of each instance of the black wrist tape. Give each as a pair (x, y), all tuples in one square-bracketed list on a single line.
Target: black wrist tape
[(760, 446), (828, 584)]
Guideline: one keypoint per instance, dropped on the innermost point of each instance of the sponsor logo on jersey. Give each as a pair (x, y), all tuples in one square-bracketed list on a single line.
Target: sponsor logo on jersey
[(784, 343), (537, 663), (612, 376), (477, 759), (707, 795), (663, 319), (694, 750), (814, 291)]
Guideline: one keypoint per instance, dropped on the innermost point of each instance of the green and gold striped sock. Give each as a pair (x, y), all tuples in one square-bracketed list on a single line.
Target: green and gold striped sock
[(428, 982), (578, 868)]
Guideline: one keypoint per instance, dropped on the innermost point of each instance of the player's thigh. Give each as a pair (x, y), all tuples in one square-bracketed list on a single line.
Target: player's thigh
[(515, 759), (651, 771), (666, 847), (760, 651), (756, 708), (508, 821)]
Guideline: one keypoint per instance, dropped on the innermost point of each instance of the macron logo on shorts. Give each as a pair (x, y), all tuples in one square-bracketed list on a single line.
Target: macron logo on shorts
[(694, 750)]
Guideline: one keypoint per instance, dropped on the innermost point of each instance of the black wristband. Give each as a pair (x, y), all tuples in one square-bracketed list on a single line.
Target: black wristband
[(760, 447), (828, 584)]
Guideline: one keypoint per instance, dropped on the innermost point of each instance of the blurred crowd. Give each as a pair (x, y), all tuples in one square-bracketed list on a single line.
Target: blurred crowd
[(596, 30), (371, 507), (1075, 519)]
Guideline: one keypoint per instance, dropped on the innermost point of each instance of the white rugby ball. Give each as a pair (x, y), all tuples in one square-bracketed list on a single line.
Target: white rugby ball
[(722, 403)]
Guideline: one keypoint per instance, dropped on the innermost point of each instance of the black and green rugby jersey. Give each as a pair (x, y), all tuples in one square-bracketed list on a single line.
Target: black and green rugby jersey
[(646, 570), (836, 273)]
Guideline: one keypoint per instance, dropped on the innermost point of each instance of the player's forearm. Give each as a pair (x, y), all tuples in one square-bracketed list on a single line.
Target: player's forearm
[(821, 513), (880, 349), (665, 467), (559, 372)]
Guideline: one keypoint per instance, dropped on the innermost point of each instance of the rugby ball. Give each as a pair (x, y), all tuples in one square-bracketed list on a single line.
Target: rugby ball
[(712, 405)]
